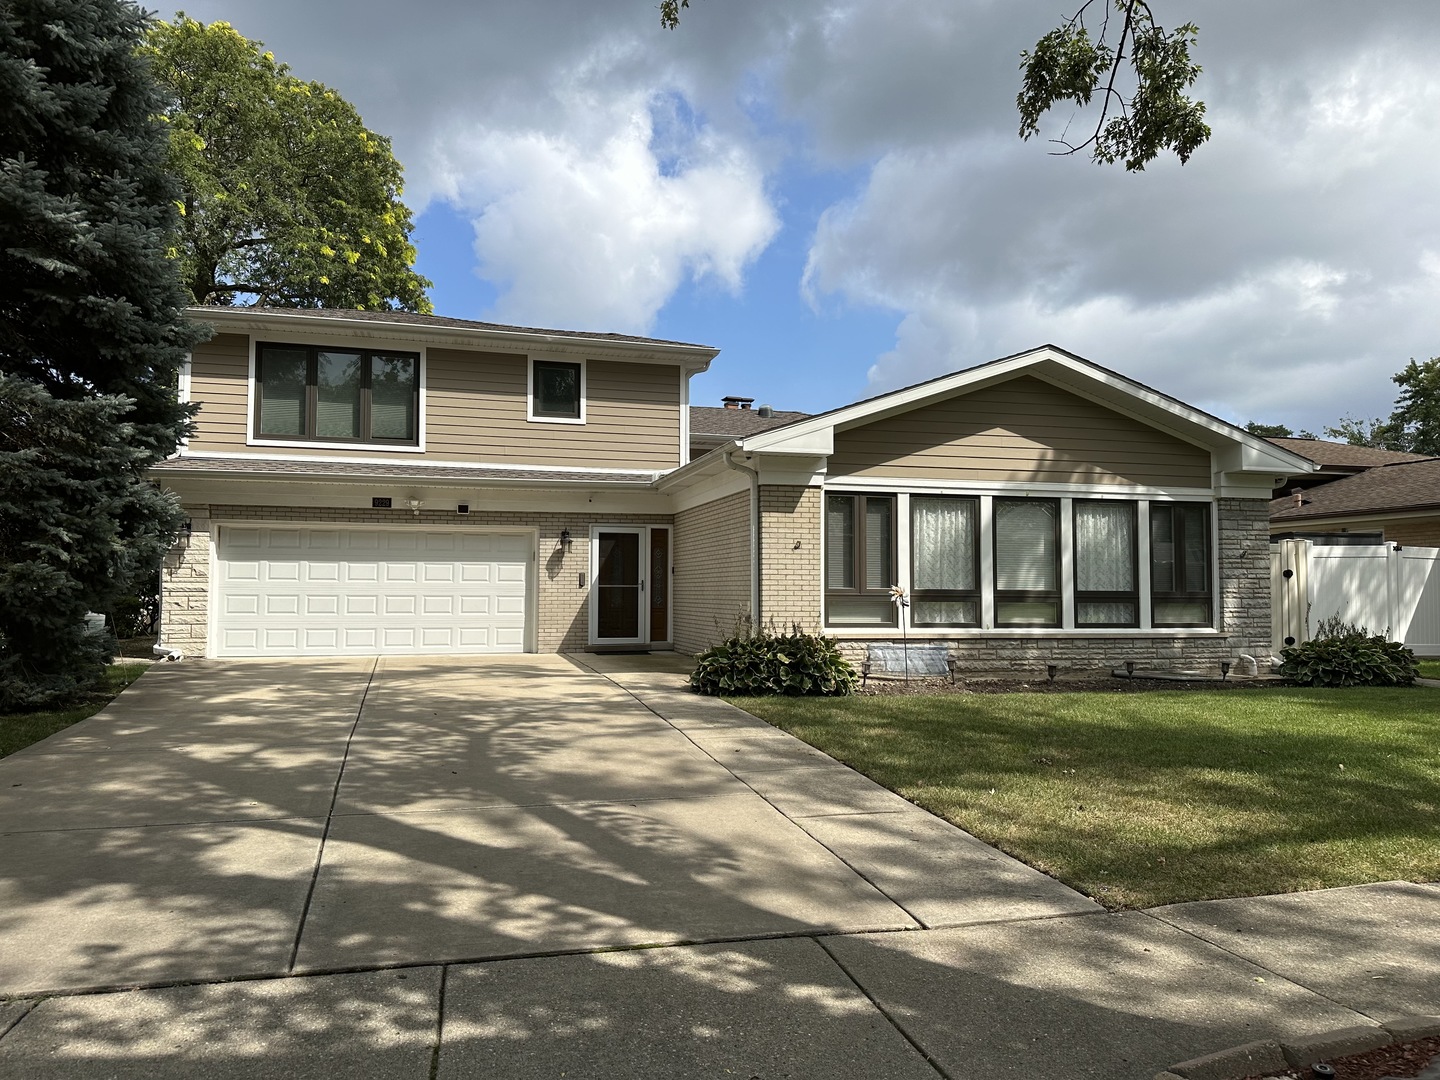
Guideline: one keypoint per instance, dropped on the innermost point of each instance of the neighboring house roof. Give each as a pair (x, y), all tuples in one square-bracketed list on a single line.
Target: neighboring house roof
[(271, 468), (736, 423), (1387, 489), (1339, 456)]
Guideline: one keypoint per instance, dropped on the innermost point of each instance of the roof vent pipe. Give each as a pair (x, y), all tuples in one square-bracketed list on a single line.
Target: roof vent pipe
[(766, 411), (1299, 494)]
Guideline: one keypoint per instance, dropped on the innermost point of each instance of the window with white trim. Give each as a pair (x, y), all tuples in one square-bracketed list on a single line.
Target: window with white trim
[(557, 389), (1082, 572), (305, 393)]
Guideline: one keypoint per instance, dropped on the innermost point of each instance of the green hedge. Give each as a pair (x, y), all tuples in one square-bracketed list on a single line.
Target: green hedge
[(758, 663)]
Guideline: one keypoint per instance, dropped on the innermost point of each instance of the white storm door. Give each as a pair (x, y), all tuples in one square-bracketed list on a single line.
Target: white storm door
[(617, 590)]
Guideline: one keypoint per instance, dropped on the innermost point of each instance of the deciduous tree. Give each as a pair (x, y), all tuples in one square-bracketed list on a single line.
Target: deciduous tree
[(288, 198), (1414, 423)]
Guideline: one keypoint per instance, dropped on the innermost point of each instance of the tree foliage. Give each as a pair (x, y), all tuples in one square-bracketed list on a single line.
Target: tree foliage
[(1067, 64), (1414, 423), (92, 333), (288, 198)]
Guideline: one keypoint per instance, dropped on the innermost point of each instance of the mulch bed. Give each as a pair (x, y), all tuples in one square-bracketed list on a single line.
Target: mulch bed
[(1407, 1059), (917, 685)]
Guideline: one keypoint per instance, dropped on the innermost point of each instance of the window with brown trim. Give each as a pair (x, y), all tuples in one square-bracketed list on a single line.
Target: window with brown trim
[(1107, 563), (1027, 562), (859, 560), (944, 560), (1180, 593), (306, 393)]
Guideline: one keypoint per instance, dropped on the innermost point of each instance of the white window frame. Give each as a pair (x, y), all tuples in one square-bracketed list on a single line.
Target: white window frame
[(987, 628), (530, 389), (312, 341)]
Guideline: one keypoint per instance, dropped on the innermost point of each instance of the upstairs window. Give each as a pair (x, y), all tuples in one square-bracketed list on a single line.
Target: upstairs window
[(557, 391), (310, 394)]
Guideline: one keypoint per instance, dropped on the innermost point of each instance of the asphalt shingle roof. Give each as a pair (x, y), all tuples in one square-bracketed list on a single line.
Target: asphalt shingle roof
[(478, 474), (406, 318), (737, 423), (1408, 485), (1342, 455)]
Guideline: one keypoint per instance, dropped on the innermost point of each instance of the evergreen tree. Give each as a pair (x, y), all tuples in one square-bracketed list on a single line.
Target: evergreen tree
[(92, 332)]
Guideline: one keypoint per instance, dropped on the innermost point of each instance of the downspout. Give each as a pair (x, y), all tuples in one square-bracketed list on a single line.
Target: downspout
[(754, 532)]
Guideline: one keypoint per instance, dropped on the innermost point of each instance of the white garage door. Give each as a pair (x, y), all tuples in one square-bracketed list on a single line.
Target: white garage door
[(326, 592)]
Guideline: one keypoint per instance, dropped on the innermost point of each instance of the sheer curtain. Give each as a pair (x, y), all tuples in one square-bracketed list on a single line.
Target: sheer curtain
[(944, 555), (1105, 561)]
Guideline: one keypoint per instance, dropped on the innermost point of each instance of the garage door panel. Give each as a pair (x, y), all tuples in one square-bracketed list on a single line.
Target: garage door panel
[(336, 591)]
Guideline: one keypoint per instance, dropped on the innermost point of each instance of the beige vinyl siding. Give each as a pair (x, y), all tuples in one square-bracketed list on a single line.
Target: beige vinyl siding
[(475, 407), (475, 410), (219, 373), (1024, 430)]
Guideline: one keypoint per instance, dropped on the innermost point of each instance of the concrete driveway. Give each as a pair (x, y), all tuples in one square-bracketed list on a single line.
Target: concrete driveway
[(445, 868)]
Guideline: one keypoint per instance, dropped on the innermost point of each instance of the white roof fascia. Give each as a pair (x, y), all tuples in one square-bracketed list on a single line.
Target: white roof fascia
[(1253, 453), (695, 358)]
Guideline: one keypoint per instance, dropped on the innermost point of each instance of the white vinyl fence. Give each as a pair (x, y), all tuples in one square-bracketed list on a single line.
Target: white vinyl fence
[(1388, 589)]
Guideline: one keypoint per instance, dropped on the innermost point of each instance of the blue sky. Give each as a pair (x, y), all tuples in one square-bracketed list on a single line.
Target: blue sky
[(833, 192)]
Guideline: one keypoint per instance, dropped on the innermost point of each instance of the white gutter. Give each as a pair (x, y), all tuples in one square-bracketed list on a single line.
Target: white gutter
[(754, 533)]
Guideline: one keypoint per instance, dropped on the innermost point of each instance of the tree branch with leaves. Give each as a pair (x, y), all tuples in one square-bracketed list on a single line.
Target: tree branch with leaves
[(1159, 114)]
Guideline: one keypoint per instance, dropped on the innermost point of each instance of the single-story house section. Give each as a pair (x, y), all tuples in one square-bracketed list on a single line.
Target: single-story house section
[(1397, 502), (377, 482), (1337, 460)]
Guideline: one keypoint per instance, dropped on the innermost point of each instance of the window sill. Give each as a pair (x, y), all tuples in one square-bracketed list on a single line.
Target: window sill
[(920, 632), (353, 447), (554, 420)]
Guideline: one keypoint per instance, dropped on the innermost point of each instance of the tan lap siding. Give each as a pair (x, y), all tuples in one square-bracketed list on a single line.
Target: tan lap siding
[(475, 410), (219, 381), (790, 557), (1024, 430), (712, 571)]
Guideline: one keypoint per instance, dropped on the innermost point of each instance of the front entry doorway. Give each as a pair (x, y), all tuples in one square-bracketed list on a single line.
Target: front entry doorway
[(630, 585)]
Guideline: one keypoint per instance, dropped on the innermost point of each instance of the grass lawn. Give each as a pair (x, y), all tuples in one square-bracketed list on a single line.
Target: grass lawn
[(1430, 669), (1152, 798), (19, 730)]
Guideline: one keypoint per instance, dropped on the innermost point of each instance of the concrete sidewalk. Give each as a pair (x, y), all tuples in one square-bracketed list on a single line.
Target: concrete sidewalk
[(427, 868)]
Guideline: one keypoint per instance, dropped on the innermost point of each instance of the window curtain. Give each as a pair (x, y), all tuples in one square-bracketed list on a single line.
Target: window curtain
[(1025, 555), (945, 531), (1104, 547)]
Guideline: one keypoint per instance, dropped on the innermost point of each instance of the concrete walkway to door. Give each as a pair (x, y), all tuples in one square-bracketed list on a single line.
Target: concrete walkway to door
[(544, 866)]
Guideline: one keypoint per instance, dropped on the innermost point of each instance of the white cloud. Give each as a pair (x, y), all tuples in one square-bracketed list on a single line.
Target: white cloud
[(589, 227)]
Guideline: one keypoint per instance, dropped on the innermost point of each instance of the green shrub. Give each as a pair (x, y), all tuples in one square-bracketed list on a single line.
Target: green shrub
[(1343, 654), (761, 662)]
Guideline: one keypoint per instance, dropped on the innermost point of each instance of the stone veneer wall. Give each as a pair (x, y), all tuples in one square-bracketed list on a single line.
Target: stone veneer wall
[(712, 571), (1244, 606), (562, 616), (790, 556)]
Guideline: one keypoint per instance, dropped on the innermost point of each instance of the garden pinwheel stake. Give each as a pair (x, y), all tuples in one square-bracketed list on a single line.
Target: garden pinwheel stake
[(897, 594)]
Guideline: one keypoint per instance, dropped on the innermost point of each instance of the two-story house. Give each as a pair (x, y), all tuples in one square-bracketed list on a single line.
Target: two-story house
[(380, 482)]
